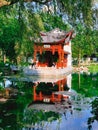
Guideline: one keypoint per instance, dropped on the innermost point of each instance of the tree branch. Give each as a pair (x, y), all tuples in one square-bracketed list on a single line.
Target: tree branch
[(4, 2), (10, 2)]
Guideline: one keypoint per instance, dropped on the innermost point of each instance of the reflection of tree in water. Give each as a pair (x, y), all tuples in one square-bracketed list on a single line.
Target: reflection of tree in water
[(94, 111), (39, 119), (84, 84), (42, 116)]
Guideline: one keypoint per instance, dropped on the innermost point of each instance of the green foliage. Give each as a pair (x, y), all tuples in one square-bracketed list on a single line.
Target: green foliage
[(94, 105), (29, 30), (53, 21), (78, 11), (9, 29), (85, 42), (14, 109), (30, 33), (18, 30), (21, 23), (1, 88), (4, 68)]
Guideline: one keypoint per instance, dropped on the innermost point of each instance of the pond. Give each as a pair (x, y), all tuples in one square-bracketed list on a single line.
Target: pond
[(35, 103)]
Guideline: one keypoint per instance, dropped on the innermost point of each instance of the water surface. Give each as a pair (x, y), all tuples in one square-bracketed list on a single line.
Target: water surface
[(68, 102)]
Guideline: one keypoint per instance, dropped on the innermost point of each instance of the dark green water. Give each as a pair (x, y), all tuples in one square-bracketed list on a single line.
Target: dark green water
[(74, 105)]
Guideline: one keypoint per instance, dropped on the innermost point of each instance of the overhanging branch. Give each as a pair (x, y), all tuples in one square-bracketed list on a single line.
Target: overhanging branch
[(10, 2)]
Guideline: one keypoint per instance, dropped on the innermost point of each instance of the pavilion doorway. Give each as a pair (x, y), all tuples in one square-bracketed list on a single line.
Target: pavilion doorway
[(48, 58)]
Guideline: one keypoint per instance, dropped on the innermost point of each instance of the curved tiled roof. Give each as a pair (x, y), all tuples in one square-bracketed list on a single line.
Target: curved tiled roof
[(55, 36)]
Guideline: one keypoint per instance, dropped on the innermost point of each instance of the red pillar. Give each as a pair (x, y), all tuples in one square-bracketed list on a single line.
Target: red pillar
[(40, 50), (34, 93), (59, 97), (40, 96), (53, 50), (52, 97), (59, 83), (62, 59), (35, 55)]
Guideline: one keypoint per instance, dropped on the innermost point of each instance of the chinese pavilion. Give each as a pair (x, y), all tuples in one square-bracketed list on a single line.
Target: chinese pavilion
[(52, 50)]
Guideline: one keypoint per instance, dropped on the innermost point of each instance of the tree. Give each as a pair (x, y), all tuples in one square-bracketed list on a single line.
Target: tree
[(29, 31), (77, 11), (83, 43), (9, 30), (72, 12), (27, 28)]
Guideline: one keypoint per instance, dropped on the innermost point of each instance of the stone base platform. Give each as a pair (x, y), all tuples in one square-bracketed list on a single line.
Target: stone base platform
[(47, 71)]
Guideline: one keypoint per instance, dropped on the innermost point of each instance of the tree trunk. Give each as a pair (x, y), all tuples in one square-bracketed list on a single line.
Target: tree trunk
[(3, 55), (79, 58), (79, 79)]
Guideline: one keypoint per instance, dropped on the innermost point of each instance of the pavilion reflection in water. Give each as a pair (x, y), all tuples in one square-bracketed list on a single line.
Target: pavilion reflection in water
[(53, 95), (51, 99)]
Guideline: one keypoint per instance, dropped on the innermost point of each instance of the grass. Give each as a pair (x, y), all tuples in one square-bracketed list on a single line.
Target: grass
[(93, 67)]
